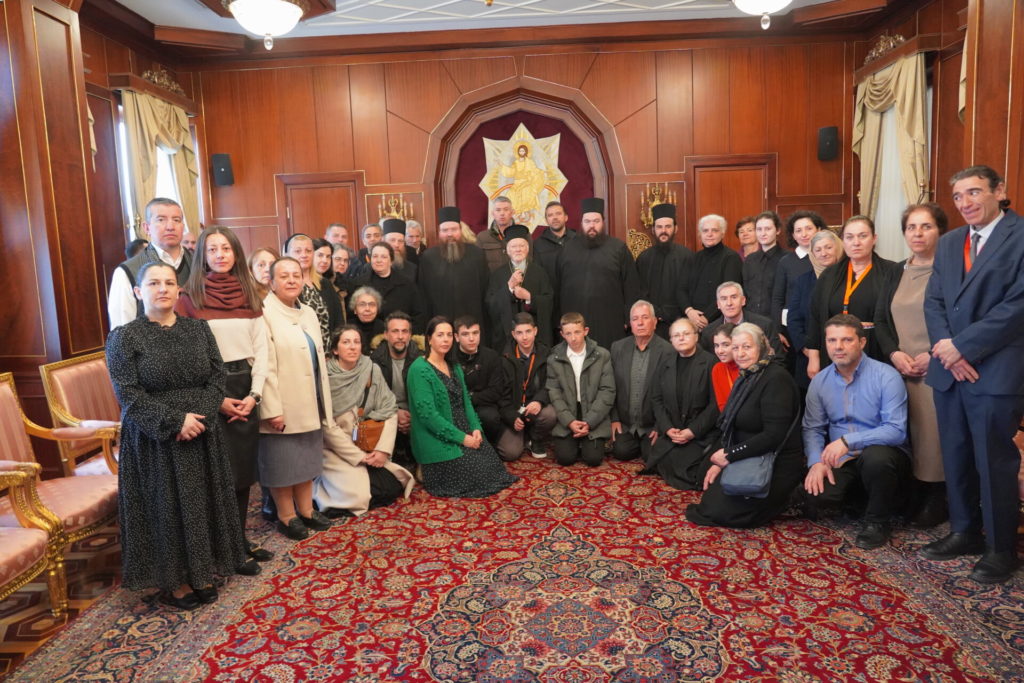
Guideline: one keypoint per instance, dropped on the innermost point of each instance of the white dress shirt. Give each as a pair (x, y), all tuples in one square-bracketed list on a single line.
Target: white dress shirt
[(576, 361)]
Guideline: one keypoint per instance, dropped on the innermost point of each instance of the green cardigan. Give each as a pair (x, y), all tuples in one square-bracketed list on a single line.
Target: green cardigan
[(435, 438)]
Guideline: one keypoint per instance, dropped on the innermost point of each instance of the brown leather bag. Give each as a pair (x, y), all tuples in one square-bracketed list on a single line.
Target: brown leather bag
[(367, 431)]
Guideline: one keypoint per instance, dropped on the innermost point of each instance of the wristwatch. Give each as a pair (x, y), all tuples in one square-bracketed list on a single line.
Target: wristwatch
[(256, 397)]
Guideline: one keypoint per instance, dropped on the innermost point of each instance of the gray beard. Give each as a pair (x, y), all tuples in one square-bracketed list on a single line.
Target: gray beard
[(453, 251)]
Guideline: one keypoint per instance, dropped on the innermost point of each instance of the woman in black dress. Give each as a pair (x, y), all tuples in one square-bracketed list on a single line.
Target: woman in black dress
[(685, 410), (853, 285), (759, 267), (179, 524), (366, 302), (763, 406), (398, 292)]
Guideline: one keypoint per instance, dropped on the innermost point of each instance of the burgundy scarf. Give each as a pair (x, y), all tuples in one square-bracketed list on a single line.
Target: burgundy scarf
[(224, 299)]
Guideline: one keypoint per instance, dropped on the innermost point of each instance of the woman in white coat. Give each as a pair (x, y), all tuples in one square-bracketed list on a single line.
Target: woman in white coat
[(296, 403), (354, 480)]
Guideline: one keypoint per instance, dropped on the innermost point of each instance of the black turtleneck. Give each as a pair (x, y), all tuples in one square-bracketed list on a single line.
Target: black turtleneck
[(711, 267)]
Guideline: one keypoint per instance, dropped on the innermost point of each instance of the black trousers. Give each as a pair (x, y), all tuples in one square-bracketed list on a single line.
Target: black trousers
[(568, 450), (628, 445), (881, 471)]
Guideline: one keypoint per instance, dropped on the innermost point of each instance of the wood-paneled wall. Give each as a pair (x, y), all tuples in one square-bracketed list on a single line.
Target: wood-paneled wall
[(653, 108)]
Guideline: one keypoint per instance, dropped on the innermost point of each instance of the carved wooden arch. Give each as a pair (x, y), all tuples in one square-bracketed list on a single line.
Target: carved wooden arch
[(523, 93)]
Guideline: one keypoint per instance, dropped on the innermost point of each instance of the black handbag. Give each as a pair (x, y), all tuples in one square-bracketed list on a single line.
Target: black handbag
[(752, 477)]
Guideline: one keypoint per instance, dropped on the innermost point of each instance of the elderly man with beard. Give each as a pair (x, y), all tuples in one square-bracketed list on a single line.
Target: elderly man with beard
[(453, 275), (394, 237), (664, 270), (597, 277)]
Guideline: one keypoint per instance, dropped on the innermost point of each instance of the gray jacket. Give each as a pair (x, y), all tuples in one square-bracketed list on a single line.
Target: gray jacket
[(597, 390)]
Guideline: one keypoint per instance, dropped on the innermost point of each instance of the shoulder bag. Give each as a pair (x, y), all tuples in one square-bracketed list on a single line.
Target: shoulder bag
[(367, 432), (752, 477)]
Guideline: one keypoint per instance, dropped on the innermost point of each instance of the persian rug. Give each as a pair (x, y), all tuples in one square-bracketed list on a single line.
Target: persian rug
[(571, 575)]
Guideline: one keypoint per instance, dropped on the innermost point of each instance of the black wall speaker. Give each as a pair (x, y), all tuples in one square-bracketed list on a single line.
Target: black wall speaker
[(222, 174), (828, 143)]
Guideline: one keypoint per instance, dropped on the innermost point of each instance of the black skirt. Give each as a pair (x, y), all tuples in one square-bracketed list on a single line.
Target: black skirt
[(242, 437)]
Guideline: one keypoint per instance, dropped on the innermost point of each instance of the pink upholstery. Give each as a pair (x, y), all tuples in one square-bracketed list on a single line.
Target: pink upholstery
[(14, 443), (20, 549), (94, 465), (77, 501), (85, 391)]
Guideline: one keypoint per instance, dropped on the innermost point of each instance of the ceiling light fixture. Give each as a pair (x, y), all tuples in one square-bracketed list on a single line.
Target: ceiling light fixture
[(762, 7), (267, 18)]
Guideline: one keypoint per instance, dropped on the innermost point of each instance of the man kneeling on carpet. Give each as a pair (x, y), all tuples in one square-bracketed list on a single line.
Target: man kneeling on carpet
[(855, 431), (526, 365), (358, 473), (581, 387)]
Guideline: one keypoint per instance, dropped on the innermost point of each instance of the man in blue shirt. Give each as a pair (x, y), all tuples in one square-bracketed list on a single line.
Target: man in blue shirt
[(855, 430)]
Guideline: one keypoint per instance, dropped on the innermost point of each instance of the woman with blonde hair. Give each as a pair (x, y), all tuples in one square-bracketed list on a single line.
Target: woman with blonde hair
[(825, 250)]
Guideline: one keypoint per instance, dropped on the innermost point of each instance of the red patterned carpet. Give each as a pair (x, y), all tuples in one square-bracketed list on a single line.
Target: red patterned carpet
[(571, 575)]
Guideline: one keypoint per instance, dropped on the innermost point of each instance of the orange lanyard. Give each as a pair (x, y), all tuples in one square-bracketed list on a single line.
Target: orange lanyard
[(851, 287), (529, 371), (967, 252)]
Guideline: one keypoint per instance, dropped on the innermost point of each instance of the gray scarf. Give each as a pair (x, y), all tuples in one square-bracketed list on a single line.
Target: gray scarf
[(347, 387)]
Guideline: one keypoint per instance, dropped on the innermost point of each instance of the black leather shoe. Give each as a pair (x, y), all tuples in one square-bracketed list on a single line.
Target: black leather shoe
[(294, 529), (249, 568), (933, 511), (316, 521), (994, 567), (206, 595), (954, 545), (187, 602), (873, 535), (257, 553)]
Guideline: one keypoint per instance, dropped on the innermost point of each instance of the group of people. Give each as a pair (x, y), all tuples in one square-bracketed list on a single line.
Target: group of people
[(850, 372)]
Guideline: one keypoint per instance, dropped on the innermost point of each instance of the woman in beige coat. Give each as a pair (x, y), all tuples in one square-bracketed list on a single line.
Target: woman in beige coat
[(354, 480), (296, 403)]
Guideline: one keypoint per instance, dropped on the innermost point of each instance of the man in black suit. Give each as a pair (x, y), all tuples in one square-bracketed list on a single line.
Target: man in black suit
[(731, 300), (974, 310), (635, 362)]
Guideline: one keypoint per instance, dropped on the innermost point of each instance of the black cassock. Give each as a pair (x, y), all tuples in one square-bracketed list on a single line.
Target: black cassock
[(711, 267), (599, 282), (454, 289), (400, 294), (502, 305), (665, 274)]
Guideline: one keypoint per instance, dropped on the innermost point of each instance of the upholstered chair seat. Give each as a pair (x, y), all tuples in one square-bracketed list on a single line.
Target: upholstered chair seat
[(79, 502), (21, 551)]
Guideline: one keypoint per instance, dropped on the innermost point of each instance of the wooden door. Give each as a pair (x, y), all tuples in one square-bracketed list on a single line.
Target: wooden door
[(732, 186), (312, 201)]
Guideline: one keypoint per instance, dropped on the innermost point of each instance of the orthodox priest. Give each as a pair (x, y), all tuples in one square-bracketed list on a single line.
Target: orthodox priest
[(520, 286), (453, 275), (664, 270), (597, 277), (712, 265)]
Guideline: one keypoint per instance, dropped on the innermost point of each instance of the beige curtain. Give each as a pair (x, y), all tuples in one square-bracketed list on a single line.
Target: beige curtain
[(92, 134), (901, 85), (152, 123), (961, 105)]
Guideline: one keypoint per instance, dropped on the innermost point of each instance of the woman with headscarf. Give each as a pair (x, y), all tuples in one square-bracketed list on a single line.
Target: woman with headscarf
[(519, 287), (760, 417), (353, 480)]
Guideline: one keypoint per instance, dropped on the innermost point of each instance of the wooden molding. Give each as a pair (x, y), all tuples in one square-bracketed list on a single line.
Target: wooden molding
[(838, 9), (220, 41), (139, 84), (930, 42), (284, 181)]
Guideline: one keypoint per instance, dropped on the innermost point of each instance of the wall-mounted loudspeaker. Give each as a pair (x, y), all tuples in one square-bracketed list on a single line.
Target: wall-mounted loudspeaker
[(222, 174), (828, 143)]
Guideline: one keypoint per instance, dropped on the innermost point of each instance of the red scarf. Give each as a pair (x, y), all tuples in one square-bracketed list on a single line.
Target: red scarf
[(723, 376), (224, 299)]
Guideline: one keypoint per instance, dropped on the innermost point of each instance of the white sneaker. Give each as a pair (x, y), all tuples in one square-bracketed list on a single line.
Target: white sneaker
[(540, 456)]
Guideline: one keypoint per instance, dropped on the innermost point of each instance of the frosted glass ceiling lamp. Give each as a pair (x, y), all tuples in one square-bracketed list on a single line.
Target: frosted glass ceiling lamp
[(762, 7), (267, 18)]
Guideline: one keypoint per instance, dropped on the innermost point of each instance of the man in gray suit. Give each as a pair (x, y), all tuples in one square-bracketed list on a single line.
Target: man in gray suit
[(635, 360)]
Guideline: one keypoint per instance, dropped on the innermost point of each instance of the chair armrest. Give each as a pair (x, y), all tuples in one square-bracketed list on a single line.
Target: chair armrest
[(70, 433), (99, 424), (28, 509)]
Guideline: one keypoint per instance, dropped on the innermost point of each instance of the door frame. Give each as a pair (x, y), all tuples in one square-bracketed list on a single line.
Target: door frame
[(285, 182), (695, 164)]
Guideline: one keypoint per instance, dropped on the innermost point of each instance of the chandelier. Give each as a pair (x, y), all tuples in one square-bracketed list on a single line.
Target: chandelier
[(267, 18), (762, 7)]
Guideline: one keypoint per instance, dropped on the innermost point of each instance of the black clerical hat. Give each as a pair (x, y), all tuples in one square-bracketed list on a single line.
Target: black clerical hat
[(448, 214), (517, 231), (592, 205), (391, 225), (663, 211)]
